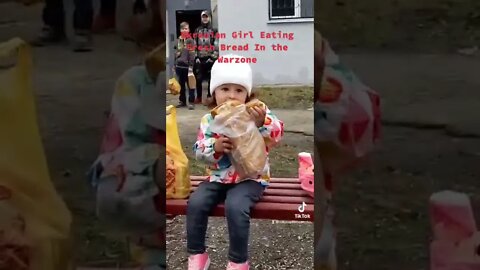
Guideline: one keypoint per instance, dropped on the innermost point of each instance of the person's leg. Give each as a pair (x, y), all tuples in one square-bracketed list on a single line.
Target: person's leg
[(208, 77), (200, 204), (199, 78), (83, 15), (105, 19), (203, 71), (53, 17), (182, 75), (240, 199), (82, 23), (191, 97)]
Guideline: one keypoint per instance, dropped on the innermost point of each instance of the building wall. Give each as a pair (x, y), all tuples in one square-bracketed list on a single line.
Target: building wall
[(214, 13), (293, 67)]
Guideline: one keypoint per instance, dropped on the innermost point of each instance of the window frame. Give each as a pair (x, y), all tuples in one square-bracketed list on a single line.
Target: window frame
[(297, 10)]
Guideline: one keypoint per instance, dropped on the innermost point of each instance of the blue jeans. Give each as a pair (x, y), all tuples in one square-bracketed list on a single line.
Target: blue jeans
[(239, 199)]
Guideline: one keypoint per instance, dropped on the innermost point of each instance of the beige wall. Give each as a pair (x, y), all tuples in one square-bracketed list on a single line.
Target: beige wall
[(214, 13)]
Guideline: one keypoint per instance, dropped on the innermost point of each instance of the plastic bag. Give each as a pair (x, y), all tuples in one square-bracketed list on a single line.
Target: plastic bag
[(325, 246), (178, 182), (192, 81), (456, 237), (305, 172), (347, 116), (174, 86), (249, 155), (34, 220)]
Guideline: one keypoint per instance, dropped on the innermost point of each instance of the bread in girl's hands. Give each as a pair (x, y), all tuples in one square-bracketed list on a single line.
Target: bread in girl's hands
[(229, 105), (249, 154), (224, 108), (256, 103)]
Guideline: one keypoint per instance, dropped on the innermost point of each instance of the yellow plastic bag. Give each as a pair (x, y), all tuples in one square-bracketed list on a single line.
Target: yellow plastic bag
[(174, 86), (34, 220), (178, 177)]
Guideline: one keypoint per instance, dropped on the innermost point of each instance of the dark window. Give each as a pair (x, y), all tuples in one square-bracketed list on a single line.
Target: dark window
[(285, 9), (281, 8)]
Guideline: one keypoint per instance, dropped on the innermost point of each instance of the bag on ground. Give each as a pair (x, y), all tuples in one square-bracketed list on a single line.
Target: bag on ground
[(178, 182), (34, 220), (174, 86), (348, 113)]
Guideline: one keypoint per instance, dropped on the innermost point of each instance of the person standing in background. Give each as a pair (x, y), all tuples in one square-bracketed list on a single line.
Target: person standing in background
[(54, 24), (204, 38), (184, 60)]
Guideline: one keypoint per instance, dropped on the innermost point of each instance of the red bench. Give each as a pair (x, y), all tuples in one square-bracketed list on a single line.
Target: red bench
[(281, 201)]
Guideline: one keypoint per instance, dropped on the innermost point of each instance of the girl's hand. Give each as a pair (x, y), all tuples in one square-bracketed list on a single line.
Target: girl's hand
[(223, 145), (258, 115)]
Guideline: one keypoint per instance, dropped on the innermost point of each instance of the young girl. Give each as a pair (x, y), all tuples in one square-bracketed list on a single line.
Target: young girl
[(229, 81)]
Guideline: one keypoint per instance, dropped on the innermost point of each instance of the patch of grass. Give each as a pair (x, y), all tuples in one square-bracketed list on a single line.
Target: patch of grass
[(287, 97), (277, 97)]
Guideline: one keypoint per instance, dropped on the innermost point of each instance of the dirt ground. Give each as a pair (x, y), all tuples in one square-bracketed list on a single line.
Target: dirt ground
[(407, 25), (381, 208), (409, 52)]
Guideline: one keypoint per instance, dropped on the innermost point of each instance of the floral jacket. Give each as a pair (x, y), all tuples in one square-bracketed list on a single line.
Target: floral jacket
[(220, 168), (134, 137)]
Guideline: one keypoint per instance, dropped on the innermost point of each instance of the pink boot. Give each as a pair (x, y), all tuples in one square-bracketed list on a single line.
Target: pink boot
[(452, 216), (198, 262), (238, 266)]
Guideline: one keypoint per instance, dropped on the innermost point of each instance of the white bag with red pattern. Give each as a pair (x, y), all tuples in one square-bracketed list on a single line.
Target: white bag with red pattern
[(347, 111)]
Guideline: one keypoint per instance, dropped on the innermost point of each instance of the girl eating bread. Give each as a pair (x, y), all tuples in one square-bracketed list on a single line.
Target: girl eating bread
[(230, 87)]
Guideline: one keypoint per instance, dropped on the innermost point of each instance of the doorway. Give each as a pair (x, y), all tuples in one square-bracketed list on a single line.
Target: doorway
[(192, 17)]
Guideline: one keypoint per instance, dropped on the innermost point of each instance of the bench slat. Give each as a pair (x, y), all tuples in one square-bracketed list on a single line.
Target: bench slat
[(262, 210), (279, 192), (197, 179), (294, 200), (271, 185), (280, 201)]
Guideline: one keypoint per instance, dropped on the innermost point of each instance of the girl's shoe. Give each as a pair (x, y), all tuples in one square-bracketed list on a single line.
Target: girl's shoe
[(238, 266), (198, 262)]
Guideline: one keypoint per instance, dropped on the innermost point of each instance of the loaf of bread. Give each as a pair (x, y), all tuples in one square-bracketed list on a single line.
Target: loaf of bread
[(232, 120), (256, 103), (225, 108)]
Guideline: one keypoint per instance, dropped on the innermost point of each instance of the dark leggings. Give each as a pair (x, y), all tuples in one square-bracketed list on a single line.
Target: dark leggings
[(239, 199), (203, 74), (54, 15), (182, 74)]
